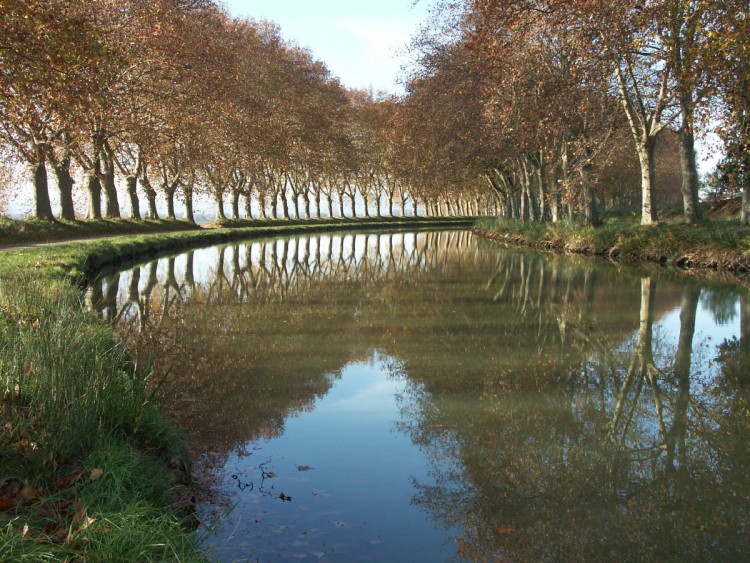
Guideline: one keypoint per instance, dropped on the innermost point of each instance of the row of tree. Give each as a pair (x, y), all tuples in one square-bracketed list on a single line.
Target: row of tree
[(179, 99), (537, 99), (518, 108)]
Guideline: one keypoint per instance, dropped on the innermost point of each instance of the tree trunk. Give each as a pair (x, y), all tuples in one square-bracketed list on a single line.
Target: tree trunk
[(690, 199), (542, 185), (219, 205), (285, 205), (366, 204), (38, 171), (591, 208), (187, 191), (153, 212), (524, 210), (94, 193), (646, 158), (169, 191), (745, 212), (235, 198), (249, 206), (112, 204), (135, 206), (65, 189)]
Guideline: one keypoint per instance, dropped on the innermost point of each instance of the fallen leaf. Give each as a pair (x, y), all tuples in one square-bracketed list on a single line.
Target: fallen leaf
[(66, 482), (10, 494), (13, 493)]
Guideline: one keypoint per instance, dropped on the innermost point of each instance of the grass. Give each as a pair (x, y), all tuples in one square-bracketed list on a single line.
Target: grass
[(72, 401), (13, 233), (90, 469), (717, 244), (36, 231)]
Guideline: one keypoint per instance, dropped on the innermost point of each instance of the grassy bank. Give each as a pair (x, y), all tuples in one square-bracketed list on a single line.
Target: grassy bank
[(18, 233), (90, 468), (40, 231), (717, 244)]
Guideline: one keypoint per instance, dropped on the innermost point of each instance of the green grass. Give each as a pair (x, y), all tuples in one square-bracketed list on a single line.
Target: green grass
[(36, 230), (717, 244), (73, 401)]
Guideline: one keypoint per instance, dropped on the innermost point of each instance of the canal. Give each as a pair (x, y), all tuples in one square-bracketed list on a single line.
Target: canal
[(430, 397)]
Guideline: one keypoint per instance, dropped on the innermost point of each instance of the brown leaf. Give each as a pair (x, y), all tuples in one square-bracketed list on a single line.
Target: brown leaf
[(13, 493), (10, 494), (66, 482)]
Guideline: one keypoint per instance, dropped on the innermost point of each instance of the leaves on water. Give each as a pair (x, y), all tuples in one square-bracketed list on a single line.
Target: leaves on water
[(304, 468)]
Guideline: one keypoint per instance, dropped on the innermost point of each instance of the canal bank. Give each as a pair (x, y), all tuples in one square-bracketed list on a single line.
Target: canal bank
[(717, 245)]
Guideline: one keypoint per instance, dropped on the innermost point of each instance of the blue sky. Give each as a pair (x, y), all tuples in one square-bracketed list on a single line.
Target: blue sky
[(361, 41)]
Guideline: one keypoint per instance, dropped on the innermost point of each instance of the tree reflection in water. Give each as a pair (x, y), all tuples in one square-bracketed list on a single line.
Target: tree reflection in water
[(565, 420)]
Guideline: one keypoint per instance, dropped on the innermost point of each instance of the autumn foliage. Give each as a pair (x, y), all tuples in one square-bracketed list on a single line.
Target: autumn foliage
[(533, 110)]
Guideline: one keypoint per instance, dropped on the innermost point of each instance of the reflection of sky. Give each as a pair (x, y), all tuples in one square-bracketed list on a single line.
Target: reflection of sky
[(353, 498), (709, 335), (705, 324)]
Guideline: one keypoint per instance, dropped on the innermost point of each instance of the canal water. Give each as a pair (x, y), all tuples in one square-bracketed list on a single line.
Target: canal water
[(430, 397)]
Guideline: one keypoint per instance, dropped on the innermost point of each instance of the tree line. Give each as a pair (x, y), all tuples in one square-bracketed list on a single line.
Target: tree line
[(533, 110), (176, 99), (549, 103)]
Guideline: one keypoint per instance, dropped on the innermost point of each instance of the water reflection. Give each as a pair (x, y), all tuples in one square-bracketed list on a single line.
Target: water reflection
[(567, 411)]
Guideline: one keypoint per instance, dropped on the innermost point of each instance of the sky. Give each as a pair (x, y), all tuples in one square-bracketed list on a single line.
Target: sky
[(362, 42)]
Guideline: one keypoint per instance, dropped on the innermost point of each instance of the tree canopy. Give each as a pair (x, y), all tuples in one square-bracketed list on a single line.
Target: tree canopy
[(532, 110)]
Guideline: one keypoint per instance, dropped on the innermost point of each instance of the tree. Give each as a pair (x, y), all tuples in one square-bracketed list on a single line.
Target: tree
[(51, 57), (727, 56)]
